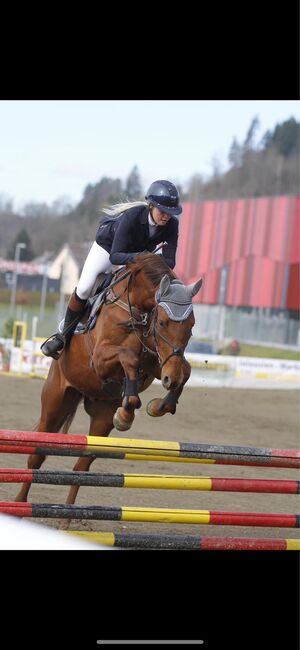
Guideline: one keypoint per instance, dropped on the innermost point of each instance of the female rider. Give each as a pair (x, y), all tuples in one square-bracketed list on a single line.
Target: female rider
[(130, 229)]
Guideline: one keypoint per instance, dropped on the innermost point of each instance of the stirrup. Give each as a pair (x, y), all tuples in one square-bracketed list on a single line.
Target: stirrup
[(53, 337)]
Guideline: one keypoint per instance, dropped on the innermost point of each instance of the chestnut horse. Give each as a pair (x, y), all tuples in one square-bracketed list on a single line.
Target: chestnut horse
[(140, 334)]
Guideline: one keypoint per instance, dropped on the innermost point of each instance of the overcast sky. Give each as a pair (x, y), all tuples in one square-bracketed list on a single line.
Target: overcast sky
[(50, 149)]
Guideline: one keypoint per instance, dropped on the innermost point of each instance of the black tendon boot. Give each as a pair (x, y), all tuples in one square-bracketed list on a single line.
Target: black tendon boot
[(55, 344)]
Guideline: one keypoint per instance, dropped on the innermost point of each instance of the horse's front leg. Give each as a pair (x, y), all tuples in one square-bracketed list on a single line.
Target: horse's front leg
[(158, 407), (124, 415)]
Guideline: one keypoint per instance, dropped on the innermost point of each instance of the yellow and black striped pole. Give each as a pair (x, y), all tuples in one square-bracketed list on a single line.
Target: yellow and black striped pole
[(184, 542), (41, 443), (149, 481)]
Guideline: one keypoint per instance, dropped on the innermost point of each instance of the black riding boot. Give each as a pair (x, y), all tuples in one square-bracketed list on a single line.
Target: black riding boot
[(54, 345)]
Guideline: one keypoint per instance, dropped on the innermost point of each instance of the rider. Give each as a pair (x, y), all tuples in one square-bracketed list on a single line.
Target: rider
[(130, 229)]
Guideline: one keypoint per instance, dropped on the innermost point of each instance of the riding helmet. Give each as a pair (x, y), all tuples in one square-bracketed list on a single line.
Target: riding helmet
[(164, 196)]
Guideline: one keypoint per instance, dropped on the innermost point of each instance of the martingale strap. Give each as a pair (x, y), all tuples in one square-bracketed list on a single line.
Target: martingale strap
[(140, 318)]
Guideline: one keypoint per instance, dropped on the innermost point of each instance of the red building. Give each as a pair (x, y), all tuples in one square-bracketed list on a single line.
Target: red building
[(247, 250)]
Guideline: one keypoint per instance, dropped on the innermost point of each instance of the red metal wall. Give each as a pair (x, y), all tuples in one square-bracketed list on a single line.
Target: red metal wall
[(254, 242)]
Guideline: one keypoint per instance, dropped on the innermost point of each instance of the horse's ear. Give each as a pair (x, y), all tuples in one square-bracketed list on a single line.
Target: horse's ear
[(192, 289), (163, 287)]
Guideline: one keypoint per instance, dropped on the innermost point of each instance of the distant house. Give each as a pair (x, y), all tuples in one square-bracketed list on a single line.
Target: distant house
[(62, 270), (67, 265)]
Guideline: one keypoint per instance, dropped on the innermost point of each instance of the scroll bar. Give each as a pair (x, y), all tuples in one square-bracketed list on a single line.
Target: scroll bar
[(148, 642)]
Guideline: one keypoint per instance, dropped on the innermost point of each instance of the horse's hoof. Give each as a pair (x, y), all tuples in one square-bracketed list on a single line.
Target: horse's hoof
[(119, 423), (152, 408)]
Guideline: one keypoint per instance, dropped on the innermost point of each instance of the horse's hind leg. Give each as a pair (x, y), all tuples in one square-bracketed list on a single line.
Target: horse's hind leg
[(59, 404), (101, 424), (34, 462)]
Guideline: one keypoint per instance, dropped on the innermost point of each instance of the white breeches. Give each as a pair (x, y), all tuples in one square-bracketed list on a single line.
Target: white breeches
[(96, 262)]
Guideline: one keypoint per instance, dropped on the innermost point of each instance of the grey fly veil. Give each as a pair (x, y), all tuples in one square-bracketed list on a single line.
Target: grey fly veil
[(175, 298)]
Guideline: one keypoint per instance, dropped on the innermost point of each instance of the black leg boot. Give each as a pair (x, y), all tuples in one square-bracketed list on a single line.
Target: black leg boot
[(56, 344)]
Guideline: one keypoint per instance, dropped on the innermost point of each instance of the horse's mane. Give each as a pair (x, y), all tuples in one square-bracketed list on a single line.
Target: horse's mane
[(153, 266)]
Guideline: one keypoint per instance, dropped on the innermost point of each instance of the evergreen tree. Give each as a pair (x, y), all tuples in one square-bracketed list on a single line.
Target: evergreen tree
[(266, 141), (133, 185), (249, 141), (235, 154), (26, 254), (106, 192), (286, 138)]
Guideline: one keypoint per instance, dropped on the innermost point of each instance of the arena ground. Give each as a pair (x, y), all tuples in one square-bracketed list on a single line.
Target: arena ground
[(261, 418)]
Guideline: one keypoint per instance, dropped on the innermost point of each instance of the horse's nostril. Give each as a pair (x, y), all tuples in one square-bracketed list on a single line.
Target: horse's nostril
[(166, 381)]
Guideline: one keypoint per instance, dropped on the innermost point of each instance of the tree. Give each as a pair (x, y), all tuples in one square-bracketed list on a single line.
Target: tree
[(235, 154), (286, 137), (216, 166), (266, 141), (8, 328), (26, 254), (61, 206), (35, 209), (108, 190), (133, 185), (249, 141)]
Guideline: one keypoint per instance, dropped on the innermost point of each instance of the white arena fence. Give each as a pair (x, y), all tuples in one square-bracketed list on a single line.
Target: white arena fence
[(23, 357)]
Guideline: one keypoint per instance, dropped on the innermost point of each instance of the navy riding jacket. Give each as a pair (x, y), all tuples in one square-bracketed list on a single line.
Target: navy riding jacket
[(125, 236)]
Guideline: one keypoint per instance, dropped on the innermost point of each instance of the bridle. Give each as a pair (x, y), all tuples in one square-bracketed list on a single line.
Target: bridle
[(140, 319), (177, 351)]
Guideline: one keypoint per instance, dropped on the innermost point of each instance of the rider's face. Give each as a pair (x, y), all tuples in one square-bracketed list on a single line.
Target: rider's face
[(160, 218)]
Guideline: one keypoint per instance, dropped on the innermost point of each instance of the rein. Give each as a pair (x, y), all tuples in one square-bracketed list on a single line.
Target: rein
[(135, 313), (177, 351), (141, 319), (137, 318)]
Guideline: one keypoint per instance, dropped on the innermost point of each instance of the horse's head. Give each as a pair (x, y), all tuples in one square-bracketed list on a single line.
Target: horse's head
[(174, 320), (154, 287)]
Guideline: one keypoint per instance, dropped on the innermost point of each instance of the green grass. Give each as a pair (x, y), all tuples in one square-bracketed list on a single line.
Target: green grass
[(267, 352), (26, 313), (28, 298), (261, 351), (26, 307)]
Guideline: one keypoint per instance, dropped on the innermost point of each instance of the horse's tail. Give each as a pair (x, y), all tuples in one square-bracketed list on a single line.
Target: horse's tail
[(66, 425), (68, 421)]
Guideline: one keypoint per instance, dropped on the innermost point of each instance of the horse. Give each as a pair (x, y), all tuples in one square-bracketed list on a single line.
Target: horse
[(112, 363)]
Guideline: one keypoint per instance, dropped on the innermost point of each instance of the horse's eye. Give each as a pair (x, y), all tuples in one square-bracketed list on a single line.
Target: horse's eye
[(161, 323)]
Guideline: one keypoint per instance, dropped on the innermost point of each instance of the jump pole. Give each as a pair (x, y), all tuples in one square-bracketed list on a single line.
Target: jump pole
[(149, 481), (39, 443), (188, 542), (162, 515)]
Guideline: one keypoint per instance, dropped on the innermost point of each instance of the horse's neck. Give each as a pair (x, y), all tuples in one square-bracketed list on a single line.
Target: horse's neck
[(142, 294)]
